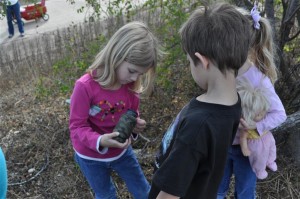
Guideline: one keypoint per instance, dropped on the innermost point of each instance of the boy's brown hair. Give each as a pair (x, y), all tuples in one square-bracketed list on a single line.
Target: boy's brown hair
[(220, 33)]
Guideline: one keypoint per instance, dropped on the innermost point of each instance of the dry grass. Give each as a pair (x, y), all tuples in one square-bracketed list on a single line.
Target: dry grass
[(35, 138)]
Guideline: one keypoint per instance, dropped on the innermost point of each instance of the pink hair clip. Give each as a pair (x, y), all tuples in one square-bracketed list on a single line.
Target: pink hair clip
[(256, 17)]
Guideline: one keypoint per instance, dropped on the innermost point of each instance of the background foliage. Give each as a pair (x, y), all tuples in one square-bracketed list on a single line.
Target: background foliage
[(284, 16), (36, 127)]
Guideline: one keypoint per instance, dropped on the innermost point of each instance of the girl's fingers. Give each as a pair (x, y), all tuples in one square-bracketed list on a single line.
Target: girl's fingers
[(243, 124), (123, 145), (140, 125)]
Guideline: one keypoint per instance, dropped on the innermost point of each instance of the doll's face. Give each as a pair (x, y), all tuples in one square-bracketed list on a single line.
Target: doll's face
[(259, 116)]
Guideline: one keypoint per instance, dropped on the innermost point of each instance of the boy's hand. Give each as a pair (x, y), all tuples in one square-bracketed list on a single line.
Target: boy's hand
[(108, 141), (164, 195), (140, 126)]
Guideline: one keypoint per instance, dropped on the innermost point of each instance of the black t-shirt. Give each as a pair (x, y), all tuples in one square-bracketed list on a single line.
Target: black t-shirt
[(193, 151)]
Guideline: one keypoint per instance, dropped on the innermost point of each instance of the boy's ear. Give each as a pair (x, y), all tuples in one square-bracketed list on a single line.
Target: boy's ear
[(203, 60)]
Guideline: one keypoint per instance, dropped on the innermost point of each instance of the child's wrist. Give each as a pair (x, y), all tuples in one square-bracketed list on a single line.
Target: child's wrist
[(101, 149)]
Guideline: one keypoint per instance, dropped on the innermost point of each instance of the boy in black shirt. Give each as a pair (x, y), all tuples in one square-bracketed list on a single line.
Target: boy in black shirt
[(193, 152)]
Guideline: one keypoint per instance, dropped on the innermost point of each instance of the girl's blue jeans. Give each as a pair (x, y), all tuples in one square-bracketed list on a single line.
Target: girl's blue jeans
[(98, 175), (14, 9), (245, 179)]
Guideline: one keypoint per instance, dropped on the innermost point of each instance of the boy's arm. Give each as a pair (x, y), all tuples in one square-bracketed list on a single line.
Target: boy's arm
[(164, 195), (173, 176)]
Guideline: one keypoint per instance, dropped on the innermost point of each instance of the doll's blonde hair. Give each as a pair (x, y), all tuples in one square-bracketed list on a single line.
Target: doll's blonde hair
[(253, 100), (135, 44)]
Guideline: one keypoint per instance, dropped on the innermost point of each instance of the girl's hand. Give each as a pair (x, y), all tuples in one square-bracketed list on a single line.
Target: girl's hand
[(243, 125), (108, 141), (140, 126)]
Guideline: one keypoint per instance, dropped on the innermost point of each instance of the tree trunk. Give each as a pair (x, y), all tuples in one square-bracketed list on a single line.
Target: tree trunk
[(269, 9), (287, 137)]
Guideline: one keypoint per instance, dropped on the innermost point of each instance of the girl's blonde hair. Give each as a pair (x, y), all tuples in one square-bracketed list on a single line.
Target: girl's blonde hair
[(262, 50), (135, 44), (253, 100)]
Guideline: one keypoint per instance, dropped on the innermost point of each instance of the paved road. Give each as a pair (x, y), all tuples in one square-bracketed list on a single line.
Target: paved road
[(61, 13)]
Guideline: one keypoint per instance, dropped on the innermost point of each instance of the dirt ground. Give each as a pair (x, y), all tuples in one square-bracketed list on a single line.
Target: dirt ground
[(35, 138)]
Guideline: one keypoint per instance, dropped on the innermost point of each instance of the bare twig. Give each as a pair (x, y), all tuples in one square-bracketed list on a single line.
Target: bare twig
[(144, 138), (35, 176)]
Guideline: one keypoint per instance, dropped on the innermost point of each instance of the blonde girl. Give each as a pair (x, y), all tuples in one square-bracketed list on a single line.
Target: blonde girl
[(122, 70), (260, 71)]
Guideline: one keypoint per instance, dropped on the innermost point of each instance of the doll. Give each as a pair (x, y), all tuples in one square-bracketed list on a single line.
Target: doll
[(261, 150)]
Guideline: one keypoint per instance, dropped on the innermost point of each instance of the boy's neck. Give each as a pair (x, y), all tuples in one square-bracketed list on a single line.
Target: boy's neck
[(221, 90)]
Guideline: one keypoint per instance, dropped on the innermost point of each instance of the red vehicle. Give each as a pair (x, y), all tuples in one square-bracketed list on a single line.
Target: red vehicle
[(34, 11)]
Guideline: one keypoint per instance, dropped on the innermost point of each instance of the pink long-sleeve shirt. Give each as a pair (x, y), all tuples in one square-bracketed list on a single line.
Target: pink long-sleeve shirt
[(87, 125), (276, 114)]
